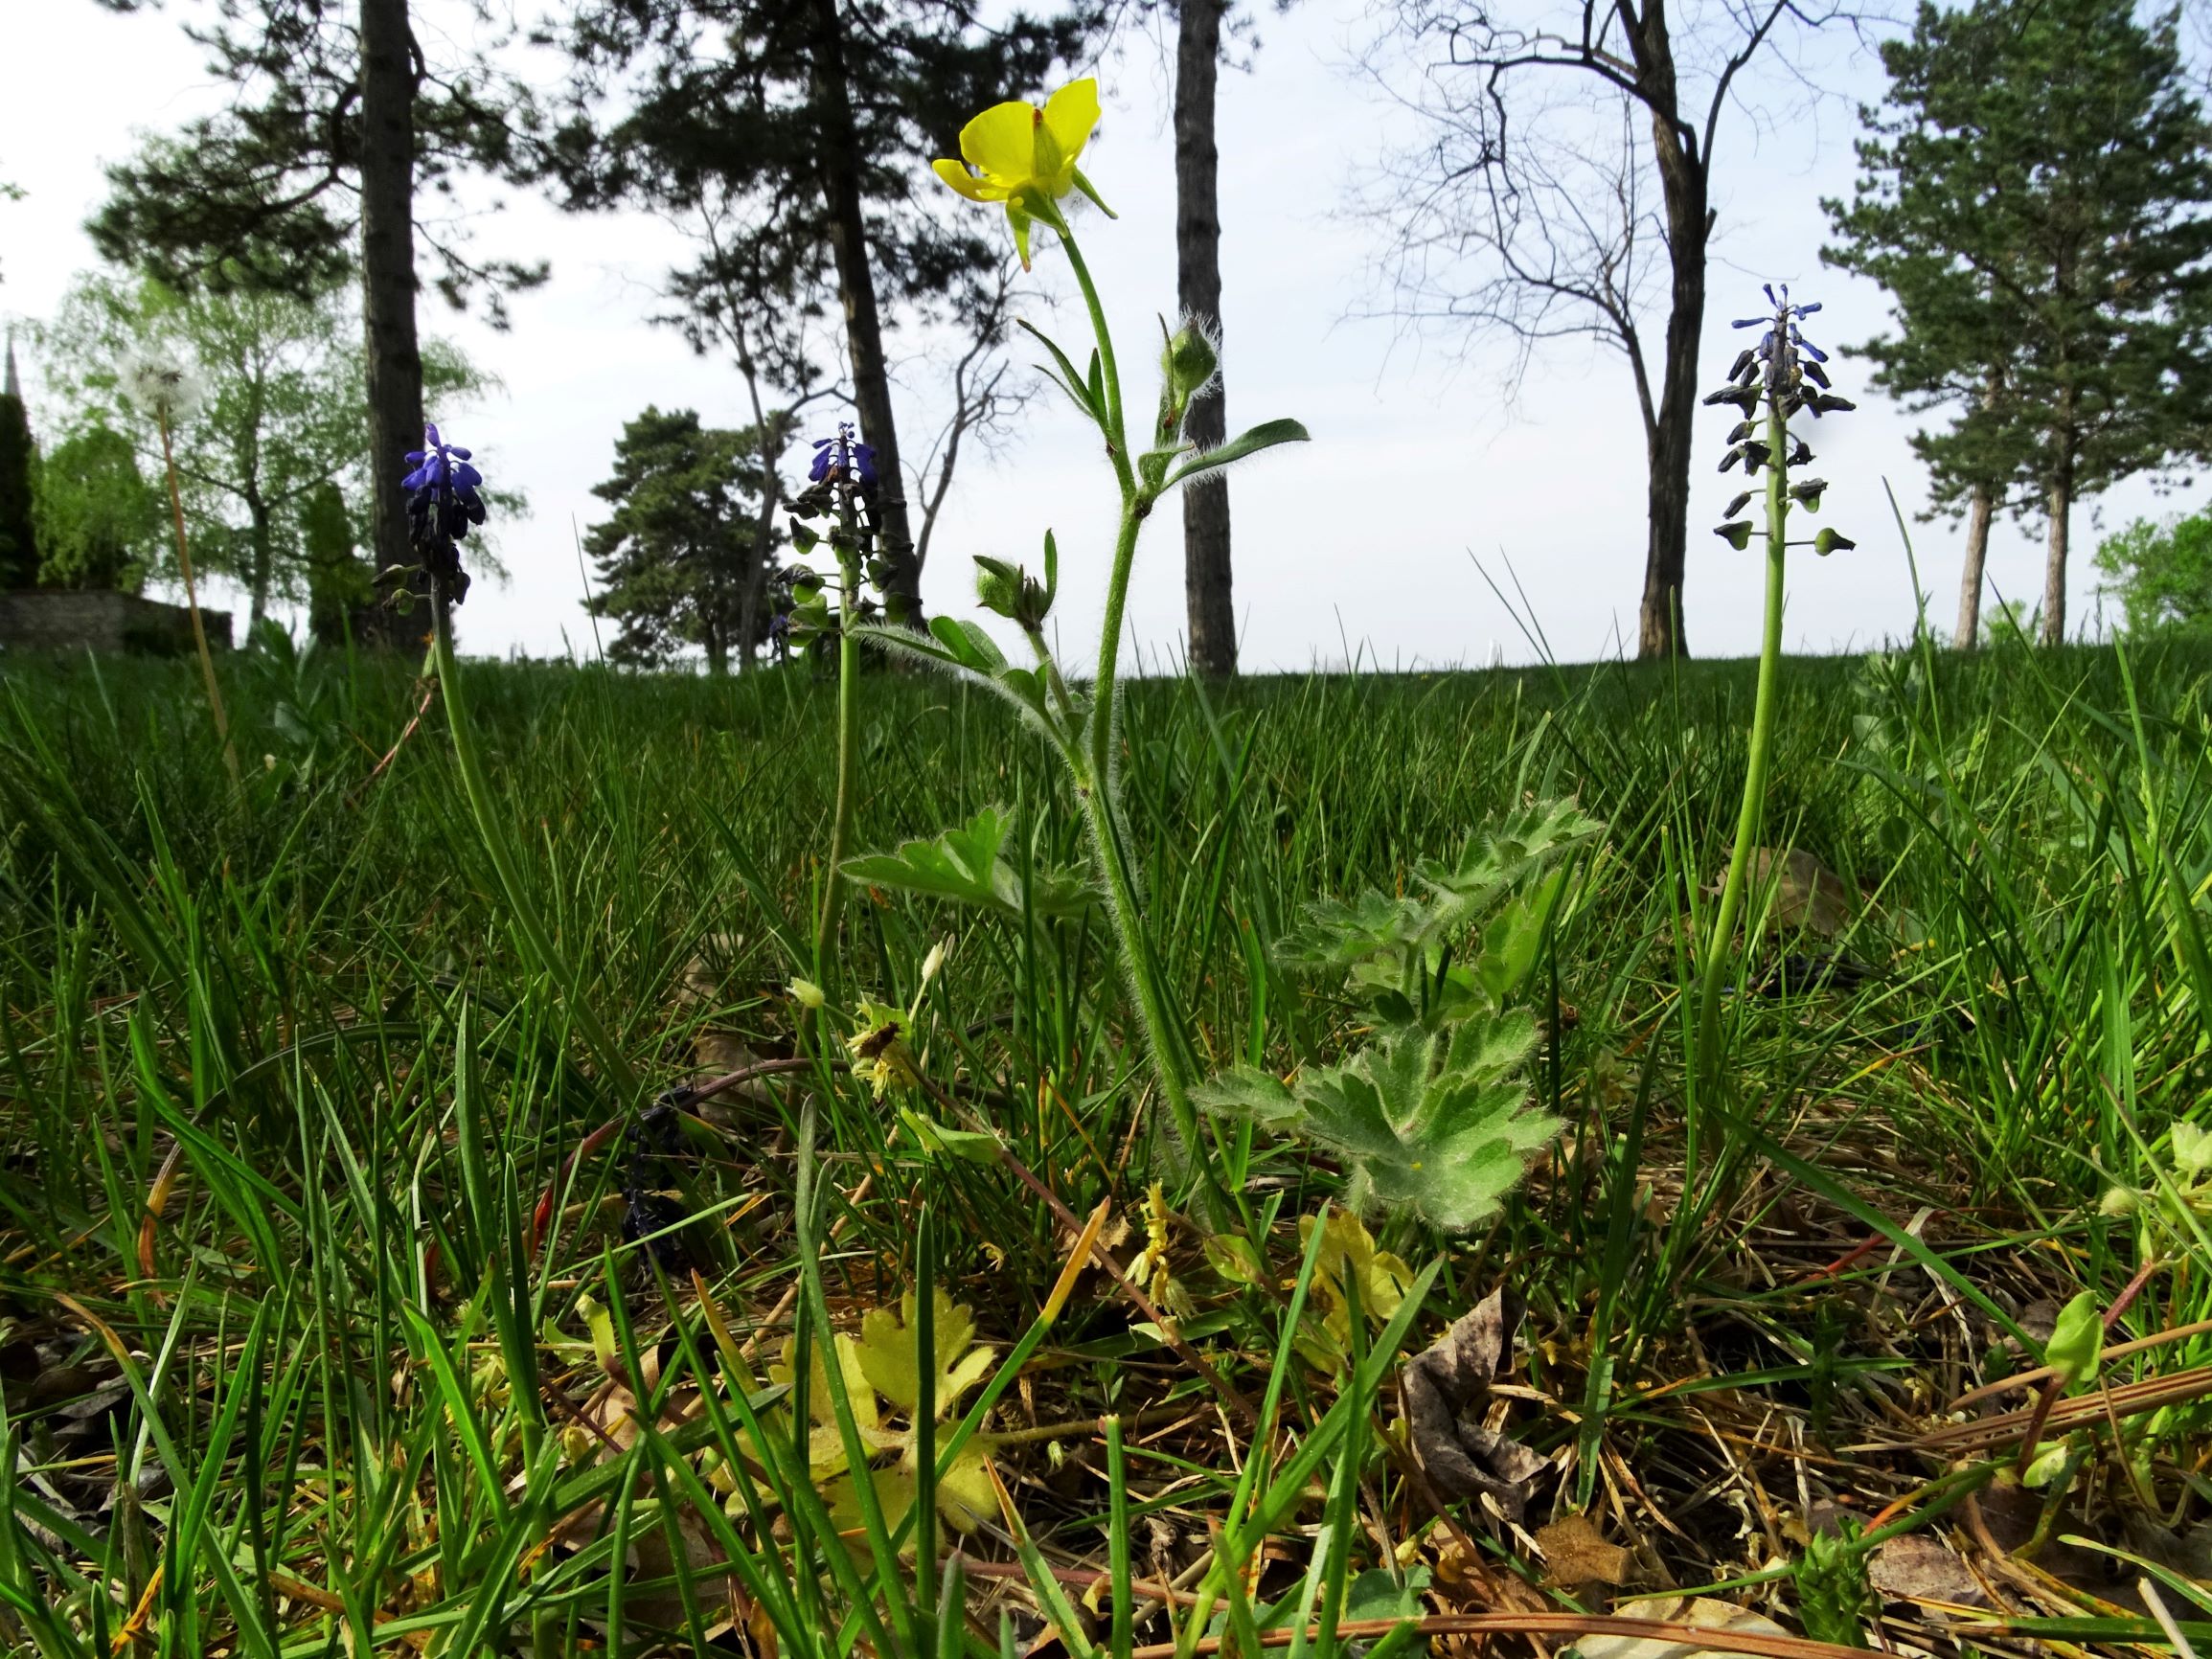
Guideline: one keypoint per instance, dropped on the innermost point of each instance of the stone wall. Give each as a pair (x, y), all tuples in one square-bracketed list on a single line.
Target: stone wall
[(62, 620)]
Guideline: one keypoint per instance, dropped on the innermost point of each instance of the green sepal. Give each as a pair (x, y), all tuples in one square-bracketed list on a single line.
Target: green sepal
[(1091, 190)]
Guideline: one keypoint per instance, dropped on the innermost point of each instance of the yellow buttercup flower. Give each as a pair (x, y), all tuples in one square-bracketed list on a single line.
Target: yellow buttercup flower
[(1026, 157)]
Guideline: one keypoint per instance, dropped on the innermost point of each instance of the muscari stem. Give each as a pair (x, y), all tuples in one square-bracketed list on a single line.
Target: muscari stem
[(848, 724), (1748, 820), (215, 696), (612, 1066)]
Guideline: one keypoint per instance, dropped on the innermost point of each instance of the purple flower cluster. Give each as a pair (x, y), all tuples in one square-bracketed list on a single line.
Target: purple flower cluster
[(442, 503), (1782, 363), (1784, 369), (844, 459)]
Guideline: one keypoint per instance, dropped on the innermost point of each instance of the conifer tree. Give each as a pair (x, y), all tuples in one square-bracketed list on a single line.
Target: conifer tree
[(18, 461), (818, 119), (341, 126), (680, 553), (2031, 196)]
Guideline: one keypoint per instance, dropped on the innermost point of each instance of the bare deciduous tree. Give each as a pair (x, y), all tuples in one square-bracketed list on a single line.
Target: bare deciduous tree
[(1530, 209), (988, 391)]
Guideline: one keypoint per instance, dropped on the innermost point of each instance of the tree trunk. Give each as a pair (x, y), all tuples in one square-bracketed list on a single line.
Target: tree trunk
[(2062, 508), (718, 651), (395, 362), (749, 610), (261, 541), (1661, 631), (1206, 573), (841, 163), (1970, 582), (765, 521)]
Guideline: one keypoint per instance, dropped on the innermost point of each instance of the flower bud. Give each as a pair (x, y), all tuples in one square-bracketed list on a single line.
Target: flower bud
[(1188, 363), (1010, 591), (807, 993)]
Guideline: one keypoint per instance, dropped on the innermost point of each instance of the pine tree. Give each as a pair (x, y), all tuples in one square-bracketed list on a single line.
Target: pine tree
[(820, 118), (18, 461), (341, 125), (680, 551), (2030, 197)]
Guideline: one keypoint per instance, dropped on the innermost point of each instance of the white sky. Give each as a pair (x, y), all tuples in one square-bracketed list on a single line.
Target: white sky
[(1366, 537)]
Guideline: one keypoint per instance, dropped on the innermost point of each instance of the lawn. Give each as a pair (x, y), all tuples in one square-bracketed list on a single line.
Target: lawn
[(348, 1299)]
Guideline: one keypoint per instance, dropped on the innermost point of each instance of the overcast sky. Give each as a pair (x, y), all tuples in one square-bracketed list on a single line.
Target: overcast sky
[(1365, 540)]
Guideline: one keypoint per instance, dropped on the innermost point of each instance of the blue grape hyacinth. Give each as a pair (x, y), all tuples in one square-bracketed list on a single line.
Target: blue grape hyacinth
[(1785, 371), (442, 503), (844, 459)]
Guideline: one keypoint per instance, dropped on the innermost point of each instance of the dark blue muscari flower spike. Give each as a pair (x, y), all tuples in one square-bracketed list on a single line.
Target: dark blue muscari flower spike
[(1782, 363), (843, 457), (1786, 370), (442, 503)]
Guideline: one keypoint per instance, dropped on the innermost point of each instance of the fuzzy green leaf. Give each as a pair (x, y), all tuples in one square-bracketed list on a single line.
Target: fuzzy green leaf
[(1335, 934), (1264, 436), (967, 866), (971, 646), (961, 864), (1422, 1122), (1250, 1092), (1514, 936)]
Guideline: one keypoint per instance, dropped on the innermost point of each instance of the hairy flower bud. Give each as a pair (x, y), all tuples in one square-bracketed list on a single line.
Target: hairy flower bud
[(1010, 591), (1188, 364)]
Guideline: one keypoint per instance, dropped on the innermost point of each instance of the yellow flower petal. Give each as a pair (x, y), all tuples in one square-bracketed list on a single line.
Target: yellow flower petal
[(1069, 115), (1001, 143), (974, 189)]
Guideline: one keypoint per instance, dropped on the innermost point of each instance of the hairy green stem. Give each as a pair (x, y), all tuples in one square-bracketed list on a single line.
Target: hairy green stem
[(1098, 789), (1754, 807), (1117, 433), (1160, 1032), (848, 725), (538, 941)]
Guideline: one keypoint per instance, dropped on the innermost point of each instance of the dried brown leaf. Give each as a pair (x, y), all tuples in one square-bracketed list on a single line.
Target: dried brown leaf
[(1445, 1391), (1576, 1553)]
